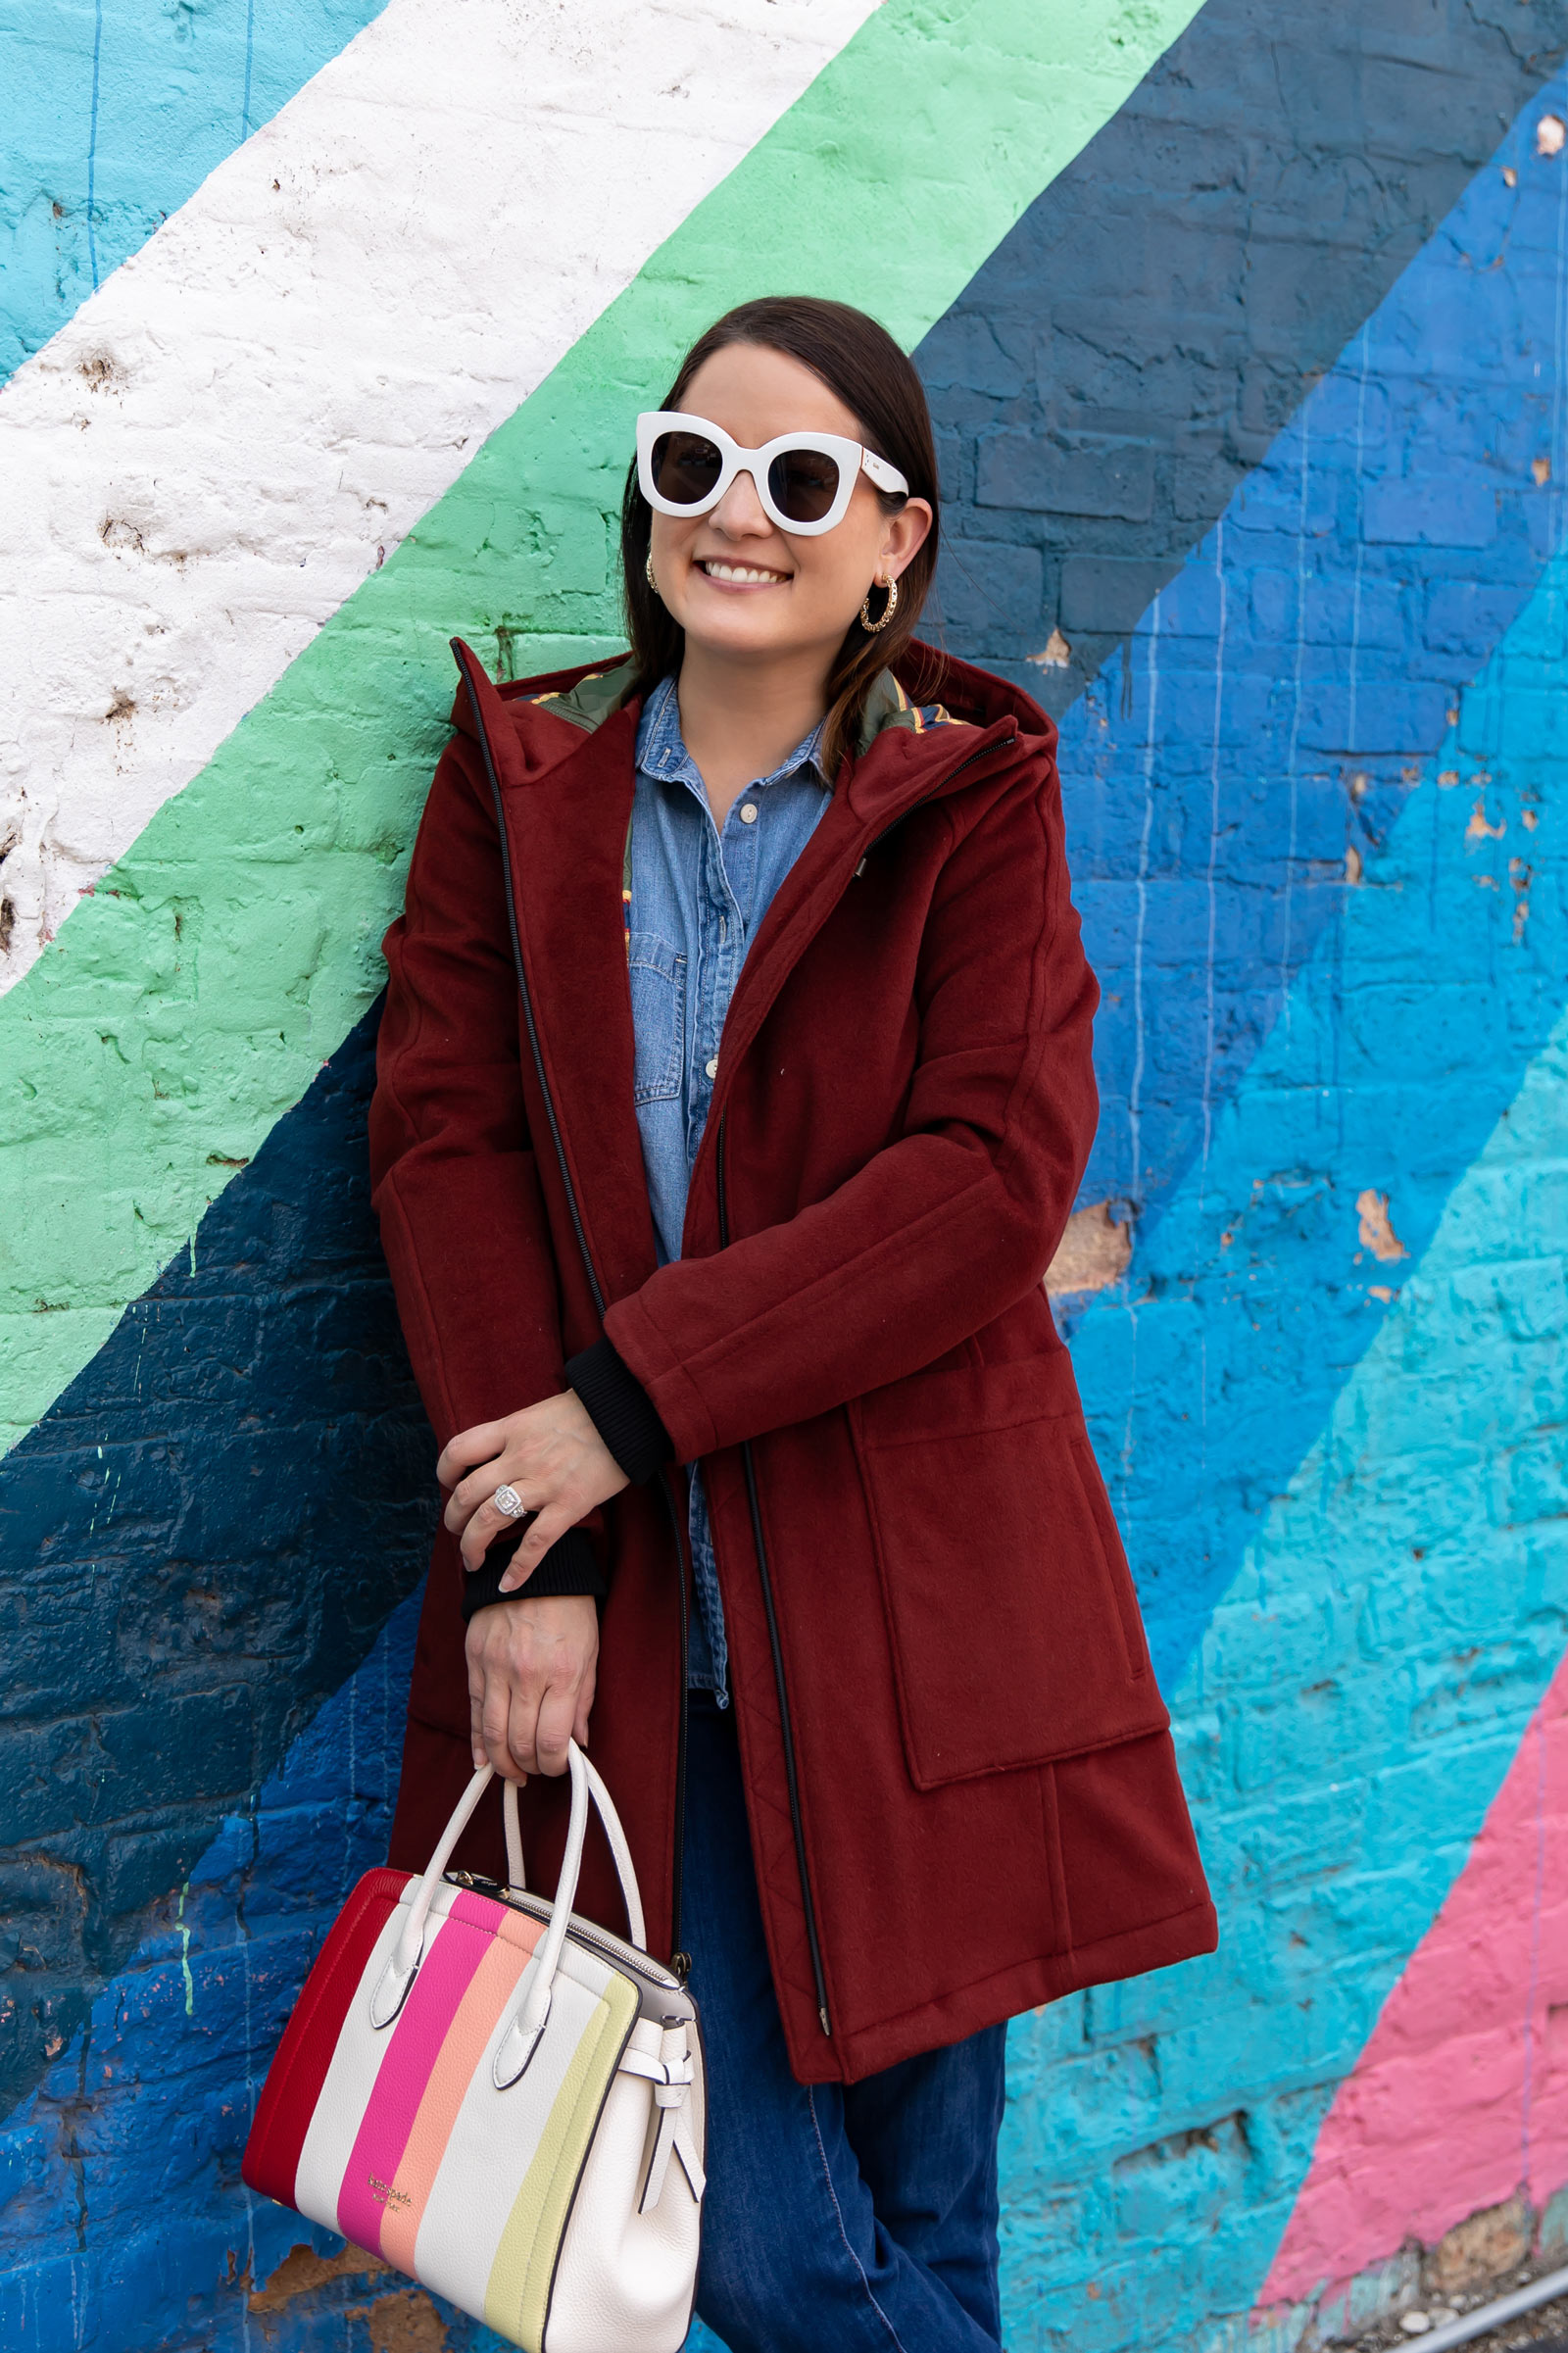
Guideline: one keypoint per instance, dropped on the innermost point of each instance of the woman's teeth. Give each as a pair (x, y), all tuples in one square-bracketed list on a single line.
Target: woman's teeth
[(737, 571)]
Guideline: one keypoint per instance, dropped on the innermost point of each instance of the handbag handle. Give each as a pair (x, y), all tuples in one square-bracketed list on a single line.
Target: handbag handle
[(626, 1869), (403, 1963)]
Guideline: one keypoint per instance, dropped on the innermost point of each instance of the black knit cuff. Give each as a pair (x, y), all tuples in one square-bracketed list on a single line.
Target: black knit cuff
[(570, 1566), (622, 1411)]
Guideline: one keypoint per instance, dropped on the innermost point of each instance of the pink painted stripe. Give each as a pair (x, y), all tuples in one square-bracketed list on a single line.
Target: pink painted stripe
[(495, 1981), (422, 2027), (1460, 2097)]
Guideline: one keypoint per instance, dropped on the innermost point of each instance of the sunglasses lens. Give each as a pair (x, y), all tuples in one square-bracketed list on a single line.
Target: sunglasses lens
[(686, 467), (802, 484)]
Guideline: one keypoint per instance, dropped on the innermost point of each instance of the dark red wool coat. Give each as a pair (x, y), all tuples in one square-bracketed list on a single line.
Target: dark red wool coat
[(989, 1806)]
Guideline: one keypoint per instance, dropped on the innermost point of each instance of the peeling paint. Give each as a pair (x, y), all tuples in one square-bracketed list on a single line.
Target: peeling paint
[(303, 2271), (1376, 1231), (1479, 828), (1094, 1250), (406, 2323), (1056, 654)]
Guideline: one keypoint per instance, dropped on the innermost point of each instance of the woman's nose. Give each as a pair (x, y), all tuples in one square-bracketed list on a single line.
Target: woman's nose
[(740, 512)]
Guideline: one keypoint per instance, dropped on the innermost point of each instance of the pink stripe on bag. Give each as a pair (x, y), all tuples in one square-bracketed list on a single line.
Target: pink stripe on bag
[(445, 1973), (495, 1980)]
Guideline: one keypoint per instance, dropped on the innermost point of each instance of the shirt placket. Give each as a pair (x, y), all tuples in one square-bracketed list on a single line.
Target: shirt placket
[(723, 888), (727, 872), (728, 867)]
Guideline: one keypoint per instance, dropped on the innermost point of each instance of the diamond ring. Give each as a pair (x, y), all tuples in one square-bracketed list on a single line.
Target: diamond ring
[(508, 1503)]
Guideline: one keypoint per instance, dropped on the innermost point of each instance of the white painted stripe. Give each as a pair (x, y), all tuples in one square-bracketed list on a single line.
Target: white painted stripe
[(206, 462)]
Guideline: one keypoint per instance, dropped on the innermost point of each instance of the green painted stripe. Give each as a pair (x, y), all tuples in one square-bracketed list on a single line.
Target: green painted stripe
[(187, 1006)]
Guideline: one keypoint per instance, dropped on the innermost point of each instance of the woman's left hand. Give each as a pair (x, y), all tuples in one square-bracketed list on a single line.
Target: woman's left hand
[(552, 1455)]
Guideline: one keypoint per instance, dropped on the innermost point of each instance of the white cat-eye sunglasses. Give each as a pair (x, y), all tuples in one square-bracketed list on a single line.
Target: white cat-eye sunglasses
[(804, 481)]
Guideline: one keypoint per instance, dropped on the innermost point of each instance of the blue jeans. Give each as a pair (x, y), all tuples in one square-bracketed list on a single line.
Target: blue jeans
[(837, 2218)]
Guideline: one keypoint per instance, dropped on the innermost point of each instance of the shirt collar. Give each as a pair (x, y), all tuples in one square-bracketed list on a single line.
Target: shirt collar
[(661, 748)]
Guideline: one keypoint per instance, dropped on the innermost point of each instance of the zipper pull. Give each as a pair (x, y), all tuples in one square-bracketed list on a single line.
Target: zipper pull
[(680, 1966)]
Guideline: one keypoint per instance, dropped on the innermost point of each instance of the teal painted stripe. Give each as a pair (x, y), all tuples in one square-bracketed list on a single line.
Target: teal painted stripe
[(186, 1006), (115, 115)]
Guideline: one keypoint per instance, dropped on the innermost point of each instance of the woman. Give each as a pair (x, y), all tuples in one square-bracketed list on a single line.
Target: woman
[(723, 1212)]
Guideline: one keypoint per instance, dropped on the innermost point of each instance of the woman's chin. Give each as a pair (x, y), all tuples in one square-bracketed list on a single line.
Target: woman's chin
[(741, 626)]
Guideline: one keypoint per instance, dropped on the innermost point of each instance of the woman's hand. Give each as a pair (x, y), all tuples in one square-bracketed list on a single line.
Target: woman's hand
[(531, 1668), (555, 1458)]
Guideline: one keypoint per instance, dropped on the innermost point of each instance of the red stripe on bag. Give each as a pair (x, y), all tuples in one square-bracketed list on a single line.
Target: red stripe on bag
[(295, 2077)]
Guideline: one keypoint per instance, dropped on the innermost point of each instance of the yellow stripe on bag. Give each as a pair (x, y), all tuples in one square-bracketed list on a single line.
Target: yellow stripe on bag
[(517, 2293)]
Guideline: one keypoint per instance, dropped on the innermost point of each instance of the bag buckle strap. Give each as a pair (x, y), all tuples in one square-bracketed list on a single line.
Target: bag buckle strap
[(670, 2076), (672, 2071), (674, 2133)]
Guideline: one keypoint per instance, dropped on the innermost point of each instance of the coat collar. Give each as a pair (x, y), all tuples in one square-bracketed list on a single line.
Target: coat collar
[(915, 733)]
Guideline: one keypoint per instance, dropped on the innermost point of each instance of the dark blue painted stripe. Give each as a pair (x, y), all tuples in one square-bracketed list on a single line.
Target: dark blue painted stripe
[(202, 1541)]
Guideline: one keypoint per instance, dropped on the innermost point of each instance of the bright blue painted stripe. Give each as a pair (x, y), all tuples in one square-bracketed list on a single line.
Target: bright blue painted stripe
[(115, 114), (92, 140)]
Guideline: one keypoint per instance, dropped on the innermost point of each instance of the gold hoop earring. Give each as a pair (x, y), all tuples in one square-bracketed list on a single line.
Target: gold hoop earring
[(648, 571), (873, 629)]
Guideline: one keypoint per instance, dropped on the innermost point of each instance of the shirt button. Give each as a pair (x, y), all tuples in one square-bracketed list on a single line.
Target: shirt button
[(712, 1065), (747, 813)]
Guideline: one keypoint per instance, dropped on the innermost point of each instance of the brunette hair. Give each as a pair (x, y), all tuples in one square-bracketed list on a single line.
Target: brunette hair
[(859, 362)]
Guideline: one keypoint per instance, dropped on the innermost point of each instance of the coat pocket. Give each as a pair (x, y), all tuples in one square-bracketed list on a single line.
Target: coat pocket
[(1014, 1625)]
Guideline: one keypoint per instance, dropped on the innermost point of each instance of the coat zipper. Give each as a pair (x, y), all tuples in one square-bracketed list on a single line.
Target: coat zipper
[(765, 1579), (681, 1960)]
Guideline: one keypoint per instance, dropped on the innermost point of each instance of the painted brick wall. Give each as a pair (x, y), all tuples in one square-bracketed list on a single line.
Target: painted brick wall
[(1245, 336)]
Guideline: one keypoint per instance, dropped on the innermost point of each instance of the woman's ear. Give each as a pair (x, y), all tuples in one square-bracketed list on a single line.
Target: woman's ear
[(904, 536)]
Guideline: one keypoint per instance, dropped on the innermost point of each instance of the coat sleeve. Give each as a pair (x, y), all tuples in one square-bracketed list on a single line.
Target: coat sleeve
[(953, 1221), (454, 1180)]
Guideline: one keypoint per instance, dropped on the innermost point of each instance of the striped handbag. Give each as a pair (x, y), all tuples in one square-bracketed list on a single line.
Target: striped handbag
[(500, 2099)]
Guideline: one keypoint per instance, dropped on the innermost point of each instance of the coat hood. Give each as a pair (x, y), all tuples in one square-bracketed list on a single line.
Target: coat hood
[(923, 695)]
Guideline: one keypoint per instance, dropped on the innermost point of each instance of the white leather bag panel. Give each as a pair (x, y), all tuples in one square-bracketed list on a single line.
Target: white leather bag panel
[(624, 2284)]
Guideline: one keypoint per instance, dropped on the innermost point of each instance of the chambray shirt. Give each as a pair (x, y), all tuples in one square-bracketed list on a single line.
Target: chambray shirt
[(698, 894)]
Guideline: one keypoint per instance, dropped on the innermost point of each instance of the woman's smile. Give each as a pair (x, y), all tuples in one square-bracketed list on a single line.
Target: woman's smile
[(738, 576)]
